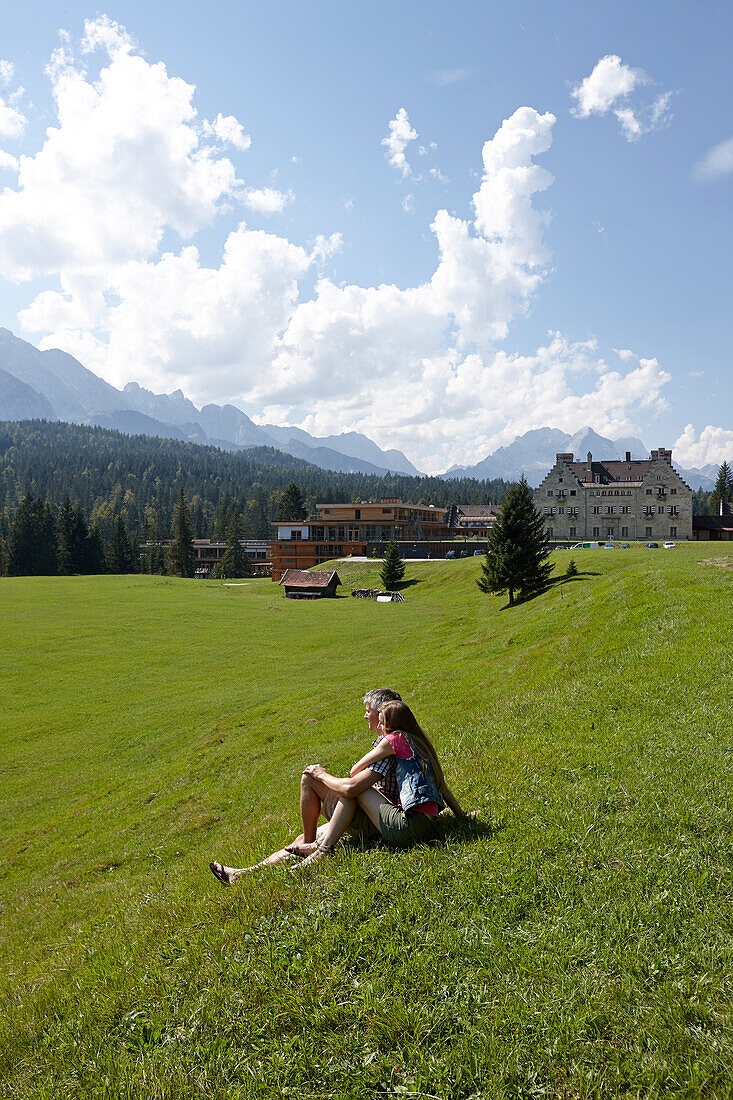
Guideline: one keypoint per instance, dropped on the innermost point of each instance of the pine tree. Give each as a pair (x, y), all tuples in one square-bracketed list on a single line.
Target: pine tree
[(32, 541), (572, 569), (181, 553), (235, 562), (120, 557), (291, 506), (515, 559), (94, 562), (3, 557), (723, 492), (393, 568), (65, 527)]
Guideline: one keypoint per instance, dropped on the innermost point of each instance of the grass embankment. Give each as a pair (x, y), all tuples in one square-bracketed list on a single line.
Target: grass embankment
[(576, 944)]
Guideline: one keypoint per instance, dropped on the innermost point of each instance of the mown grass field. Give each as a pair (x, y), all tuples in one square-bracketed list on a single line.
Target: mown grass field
[(576, 943)]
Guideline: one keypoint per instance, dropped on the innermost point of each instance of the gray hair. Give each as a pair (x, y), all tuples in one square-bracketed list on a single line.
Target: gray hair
[(377, 697)]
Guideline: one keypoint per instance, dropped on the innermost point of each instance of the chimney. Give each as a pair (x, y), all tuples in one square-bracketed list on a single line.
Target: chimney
[(628, 456)]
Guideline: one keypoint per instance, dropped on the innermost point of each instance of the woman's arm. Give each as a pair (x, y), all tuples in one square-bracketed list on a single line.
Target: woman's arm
[(452, 802), (379, 752)]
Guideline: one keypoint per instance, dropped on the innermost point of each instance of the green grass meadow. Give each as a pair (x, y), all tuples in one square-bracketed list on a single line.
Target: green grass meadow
[(576, 942)]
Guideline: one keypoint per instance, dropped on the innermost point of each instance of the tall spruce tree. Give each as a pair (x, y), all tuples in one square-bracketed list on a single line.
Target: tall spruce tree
[(393, 567), (517, 551), (291, 506), (65, 526), (32, 547), (181, 553), (723, 491), (94, 562), (120, 555), (235, 562)]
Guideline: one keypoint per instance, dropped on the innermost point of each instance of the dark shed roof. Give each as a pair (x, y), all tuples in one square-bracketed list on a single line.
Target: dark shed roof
[(303, 578)]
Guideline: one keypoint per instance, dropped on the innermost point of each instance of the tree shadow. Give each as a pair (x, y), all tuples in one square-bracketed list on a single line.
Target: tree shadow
[(552, 583), (407, 584)]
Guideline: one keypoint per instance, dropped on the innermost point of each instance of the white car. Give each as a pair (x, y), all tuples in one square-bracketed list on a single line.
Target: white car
[(669, 545)]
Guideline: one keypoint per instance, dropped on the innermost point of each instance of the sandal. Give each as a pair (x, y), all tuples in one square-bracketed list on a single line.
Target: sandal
[(217, 870)]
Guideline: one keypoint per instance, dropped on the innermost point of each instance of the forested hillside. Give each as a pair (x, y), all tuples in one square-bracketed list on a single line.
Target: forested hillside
[(139, 477)]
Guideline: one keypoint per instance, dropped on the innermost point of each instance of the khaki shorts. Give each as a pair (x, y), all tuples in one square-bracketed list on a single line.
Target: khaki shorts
[(361, 828), (402, 830)]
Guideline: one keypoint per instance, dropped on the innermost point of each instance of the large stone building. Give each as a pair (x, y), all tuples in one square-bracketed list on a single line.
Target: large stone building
[(631, 499)]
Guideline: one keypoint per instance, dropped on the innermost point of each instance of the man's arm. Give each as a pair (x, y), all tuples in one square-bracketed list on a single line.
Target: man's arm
[(345, 788)]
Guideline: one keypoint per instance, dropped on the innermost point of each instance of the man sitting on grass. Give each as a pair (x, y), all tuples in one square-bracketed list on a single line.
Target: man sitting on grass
[(317, 799)]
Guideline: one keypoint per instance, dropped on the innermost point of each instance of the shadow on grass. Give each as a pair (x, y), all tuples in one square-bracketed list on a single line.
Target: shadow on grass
[(452, 830), (553, 583)]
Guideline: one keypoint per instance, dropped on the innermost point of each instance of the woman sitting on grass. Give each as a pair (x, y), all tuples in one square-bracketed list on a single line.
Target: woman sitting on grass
[(423, 791)]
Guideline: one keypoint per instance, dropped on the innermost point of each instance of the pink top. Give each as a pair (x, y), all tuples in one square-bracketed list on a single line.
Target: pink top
[(401, 747)]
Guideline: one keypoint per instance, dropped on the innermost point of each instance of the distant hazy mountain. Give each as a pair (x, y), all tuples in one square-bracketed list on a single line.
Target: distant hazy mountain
[(533, 453), (52, 385)]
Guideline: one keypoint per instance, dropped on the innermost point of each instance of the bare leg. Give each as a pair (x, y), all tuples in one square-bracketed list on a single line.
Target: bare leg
[(312, 793), (337, 826), (228, 875)]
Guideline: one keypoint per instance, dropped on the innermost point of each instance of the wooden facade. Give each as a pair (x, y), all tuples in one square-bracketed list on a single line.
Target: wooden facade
[(299, 584), (340, 530)]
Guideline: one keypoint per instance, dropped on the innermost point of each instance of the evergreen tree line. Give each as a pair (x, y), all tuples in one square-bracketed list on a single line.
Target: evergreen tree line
[(46, 542), (140, 478), (708, 504)]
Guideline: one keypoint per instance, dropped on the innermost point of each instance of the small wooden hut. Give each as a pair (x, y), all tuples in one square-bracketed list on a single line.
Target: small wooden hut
[(301, 584)]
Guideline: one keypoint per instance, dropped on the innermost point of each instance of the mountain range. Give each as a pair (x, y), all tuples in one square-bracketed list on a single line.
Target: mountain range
[(53, 385)]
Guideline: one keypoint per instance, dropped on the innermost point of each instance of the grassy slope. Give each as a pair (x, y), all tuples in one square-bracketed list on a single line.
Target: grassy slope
[(577, 945)]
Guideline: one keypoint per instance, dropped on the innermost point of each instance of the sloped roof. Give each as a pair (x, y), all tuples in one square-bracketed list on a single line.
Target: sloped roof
[(303, 578), (476, 511)]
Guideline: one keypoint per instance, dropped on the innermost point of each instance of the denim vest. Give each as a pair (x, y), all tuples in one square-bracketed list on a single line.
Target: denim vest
[(416, 781)]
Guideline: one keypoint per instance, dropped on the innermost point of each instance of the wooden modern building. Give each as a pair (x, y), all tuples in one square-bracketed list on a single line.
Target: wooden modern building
[(299, 584), (338, 530)]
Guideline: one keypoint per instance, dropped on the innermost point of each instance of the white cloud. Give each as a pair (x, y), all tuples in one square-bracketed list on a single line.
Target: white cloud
[(8, 162), (438, 175), (125, 161), (712, 445), (229, 131), (400, 135), (415, 367), (717, 162), (266, 200), (7, 71), (12, 121), (610, 87), (408, 204)]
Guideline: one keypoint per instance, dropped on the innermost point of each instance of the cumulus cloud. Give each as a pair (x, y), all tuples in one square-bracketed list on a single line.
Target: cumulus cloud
[(266, 200), (229, 131), (717, 162), (400, 135), (419, 367), (610, 87), (712, 445), (7, 71), (126, 161)]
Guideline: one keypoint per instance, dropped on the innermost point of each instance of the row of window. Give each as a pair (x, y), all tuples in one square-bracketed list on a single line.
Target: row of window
[(661, 489), (610, 533)]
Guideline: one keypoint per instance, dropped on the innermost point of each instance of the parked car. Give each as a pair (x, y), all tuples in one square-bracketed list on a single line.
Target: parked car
[(478, 553), (652, 546), (609, 546), (669, 545), (624, 546), (451, 554), (578, 546)]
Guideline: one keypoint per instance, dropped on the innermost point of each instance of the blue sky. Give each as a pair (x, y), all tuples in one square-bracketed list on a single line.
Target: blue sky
[(318, 293)]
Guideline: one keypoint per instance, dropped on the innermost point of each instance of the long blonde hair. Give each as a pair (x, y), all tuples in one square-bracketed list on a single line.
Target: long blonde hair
[(399, 717)]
